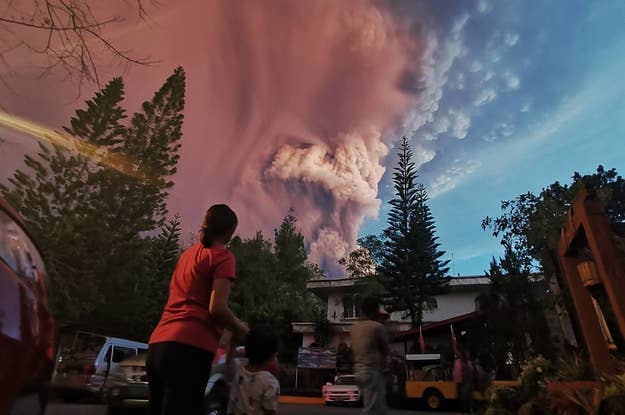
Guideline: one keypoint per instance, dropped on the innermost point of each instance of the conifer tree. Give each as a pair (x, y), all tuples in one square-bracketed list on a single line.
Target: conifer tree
[(92, 221), (411, 271)]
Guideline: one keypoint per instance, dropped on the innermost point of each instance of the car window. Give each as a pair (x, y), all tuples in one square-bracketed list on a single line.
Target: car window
[(107, 355), (346, 380), (87, 346), (38, 264), (429, 375), (121, 353), (19, 252), (9, 241)]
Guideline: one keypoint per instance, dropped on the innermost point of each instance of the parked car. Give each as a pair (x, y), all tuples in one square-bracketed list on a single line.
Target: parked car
[(343, 391), (127, 385), (26, 325), (83, 367)]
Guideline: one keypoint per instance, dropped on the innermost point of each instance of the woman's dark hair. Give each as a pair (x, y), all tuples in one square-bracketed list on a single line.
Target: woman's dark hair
[(261, 344), (219, 220)]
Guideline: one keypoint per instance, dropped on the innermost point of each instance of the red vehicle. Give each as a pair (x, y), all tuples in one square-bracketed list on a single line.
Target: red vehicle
[(26, 325)]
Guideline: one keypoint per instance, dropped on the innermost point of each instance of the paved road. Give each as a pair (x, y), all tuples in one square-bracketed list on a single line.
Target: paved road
[(56, 408)]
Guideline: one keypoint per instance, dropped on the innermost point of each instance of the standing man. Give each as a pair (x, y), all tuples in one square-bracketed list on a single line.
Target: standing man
[(370, 347)]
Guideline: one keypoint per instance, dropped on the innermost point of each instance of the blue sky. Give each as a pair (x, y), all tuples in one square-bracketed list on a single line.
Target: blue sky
[(517, 95)]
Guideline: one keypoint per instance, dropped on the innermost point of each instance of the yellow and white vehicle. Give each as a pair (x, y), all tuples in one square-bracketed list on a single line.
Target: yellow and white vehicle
[(428, 380)]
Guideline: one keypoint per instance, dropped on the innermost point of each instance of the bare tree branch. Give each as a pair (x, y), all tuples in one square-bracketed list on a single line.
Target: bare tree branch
[(71, 28), (71, 37)]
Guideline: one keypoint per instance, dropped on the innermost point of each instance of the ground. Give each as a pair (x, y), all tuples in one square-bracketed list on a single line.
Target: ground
[(56, 408)]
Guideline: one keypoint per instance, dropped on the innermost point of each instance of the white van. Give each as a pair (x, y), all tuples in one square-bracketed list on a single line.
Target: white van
[(83, 366), (127, 386)]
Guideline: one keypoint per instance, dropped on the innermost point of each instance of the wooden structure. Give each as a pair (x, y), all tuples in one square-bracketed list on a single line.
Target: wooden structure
[(594, 267)]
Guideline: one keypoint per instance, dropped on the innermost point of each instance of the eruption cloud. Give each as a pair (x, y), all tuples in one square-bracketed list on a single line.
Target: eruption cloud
[(305, 100), (288, 104)]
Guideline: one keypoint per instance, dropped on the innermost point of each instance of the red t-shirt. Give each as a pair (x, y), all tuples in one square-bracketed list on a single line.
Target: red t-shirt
[(186, 318)]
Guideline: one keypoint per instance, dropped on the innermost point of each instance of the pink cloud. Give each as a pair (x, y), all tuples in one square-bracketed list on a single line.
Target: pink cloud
[(323, 81)]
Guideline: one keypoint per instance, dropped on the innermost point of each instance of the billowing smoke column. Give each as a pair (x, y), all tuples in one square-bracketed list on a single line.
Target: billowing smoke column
[(349, 174), (306, 96)]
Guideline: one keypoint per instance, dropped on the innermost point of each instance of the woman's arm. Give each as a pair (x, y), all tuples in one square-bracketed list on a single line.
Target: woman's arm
[(220, 311)]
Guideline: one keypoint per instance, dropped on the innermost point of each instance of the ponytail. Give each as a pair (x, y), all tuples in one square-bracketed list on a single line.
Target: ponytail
[(218, 221)]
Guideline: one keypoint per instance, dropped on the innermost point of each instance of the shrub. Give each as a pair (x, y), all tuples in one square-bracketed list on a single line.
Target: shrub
[(534, 375), (575, 368), (504, 399)]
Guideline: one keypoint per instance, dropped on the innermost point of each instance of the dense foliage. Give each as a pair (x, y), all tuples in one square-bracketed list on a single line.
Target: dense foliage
[(411, 270), (100, 216)]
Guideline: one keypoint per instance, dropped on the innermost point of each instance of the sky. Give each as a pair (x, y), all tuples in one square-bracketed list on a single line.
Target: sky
[(301, 104), (533, 91)]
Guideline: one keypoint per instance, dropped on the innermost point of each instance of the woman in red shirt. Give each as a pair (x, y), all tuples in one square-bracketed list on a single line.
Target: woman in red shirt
[(184, 342)]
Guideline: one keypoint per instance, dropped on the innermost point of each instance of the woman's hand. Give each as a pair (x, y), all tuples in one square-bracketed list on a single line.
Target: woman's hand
[(241, 332)]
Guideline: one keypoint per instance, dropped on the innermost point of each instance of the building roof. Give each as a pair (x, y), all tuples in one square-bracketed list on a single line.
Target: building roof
[(323, 286), (409, 334)]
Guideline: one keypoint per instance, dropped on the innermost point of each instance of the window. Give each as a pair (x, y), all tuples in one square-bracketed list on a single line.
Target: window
[(431, 304), (350, 307), (345, 380), (107, 355), (9, 241), (122, 353), (19, 252), (87, 343)]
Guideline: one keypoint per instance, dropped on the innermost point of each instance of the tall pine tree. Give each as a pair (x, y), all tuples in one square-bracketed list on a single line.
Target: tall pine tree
[(411, 271), (55, 198), (153, 286), (431, 268), (92, 221)]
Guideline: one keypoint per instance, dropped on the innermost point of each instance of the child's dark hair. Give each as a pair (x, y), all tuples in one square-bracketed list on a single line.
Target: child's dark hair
[(261, 344), (218, 220)]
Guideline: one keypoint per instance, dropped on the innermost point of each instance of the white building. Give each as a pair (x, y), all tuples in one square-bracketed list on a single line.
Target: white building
[(342, 311)]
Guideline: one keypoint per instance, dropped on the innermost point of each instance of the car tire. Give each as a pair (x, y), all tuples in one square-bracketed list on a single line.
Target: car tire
[(113, 410), (433, 399), (31, 403)]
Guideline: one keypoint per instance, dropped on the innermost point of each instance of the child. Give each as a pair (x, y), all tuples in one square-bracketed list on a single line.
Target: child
[(253, 389)]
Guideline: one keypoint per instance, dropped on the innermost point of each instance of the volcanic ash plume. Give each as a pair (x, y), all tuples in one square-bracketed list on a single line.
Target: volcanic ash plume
[(349, 176), (305, 96)]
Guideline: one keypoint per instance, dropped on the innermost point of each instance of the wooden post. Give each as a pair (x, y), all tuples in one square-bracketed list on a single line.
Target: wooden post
[(596, 344), (587, 226), (608, 260)]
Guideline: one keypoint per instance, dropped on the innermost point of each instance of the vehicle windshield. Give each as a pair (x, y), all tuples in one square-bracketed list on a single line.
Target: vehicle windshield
[(346, 380), (86, 346)]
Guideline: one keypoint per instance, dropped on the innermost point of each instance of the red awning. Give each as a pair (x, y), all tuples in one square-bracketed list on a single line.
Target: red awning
[(409, 334)]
